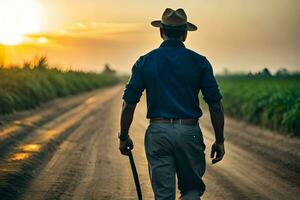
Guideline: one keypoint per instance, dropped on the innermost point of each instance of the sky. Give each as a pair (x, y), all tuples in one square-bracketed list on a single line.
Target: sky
[(237, 35)]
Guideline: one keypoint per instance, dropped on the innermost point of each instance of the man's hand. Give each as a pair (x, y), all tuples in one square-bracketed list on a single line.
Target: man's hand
[(126, 146), (219, 151)]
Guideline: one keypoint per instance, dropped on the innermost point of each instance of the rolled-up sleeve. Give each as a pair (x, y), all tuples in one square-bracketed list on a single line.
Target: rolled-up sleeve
[(209, 86), (135, 86)]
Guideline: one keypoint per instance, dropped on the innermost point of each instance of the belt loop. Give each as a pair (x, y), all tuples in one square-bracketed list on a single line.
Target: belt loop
[(180, 121), (172, 121)]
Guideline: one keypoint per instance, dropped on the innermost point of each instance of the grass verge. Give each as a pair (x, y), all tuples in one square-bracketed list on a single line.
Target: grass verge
[(26, 88), (273, 102)]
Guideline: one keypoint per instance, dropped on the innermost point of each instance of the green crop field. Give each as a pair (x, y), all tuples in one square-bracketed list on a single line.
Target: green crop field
[(273, 102), (28, 87)]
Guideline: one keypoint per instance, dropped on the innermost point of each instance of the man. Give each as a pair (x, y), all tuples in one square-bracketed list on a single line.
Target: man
[(173, 76)]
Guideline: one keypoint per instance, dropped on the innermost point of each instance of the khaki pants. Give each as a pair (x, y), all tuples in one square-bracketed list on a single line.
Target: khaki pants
[(175, 149)]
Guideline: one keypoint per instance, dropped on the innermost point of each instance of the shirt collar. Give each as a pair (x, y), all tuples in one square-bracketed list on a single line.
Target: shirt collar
[(172, 43)]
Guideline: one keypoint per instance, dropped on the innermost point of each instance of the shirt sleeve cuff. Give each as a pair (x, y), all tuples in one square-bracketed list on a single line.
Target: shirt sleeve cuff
[(131, 95)]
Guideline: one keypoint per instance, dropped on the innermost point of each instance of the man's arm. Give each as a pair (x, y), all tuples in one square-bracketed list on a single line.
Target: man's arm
[(131, 96), (217, 120), (212, 96), (127, 113)]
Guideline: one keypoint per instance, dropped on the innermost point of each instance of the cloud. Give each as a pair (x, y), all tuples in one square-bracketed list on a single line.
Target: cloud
[(90, 34), (100, 28)]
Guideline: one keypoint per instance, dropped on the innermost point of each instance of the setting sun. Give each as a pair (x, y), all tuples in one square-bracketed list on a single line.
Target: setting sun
[(18, 18), (42, 40)]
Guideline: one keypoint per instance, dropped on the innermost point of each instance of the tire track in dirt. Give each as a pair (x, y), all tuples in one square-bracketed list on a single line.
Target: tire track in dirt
[(16, 127), (20, 165)]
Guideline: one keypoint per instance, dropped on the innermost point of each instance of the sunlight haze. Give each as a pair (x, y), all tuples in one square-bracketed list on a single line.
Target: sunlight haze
[(235, 34)]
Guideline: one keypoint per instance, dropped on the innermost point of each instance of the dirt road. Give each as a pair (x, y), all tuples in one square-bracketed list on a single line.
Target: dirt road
[(68, 149)]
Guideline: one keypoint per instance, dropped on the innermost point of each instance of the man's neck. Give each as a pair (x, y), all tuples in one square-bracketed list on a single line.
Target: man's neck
[(165, 39)]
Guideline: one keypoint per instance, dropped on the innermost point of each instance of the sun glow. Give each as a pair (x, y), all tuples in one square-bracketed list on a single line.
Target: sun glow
[(42, 40), (18, 18)]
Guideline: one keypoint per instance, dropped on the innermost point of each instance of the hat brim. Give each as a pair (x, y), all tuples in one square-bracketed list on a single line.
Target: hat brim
[(189, 26)]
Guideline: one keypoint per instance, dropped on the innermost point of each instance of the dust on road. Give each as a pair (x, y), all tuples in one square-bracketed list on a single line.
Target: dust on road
[(85, 163)]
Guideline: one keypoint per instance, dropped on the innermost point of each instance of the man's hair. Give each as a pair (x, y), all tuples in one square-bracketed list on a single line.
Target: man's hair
[(174, 34)]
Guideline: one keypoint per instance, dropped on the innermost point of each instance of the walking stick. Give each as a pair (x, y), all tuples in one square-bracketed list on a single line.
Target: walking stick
[(135, 177)]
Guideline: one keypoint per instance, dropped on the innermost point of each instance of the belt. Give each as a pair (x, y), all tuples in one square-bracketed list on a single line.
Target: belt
[(175, 121)]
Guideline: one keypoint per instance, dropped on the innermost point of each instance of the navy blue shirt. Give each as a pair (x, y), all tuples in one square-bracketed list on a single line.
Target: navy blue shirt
[(172, 76)]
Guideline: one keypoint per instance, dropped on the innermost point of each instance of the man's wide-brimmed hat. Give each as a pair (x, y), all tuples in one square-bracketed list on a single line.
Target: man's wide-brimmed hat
[(174, 19)]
